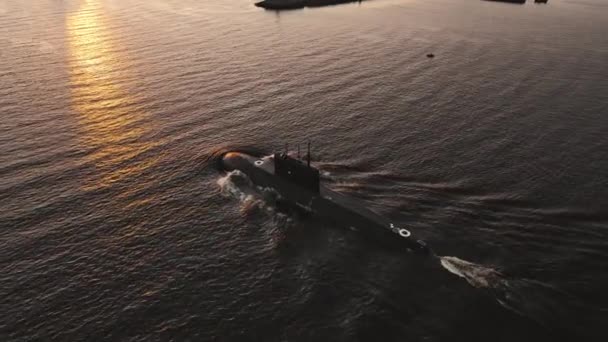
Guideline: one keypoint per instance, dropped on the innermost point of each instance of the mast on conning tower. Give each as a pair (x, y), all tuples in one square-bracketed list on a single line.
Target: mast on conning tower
[(308, 155), (296, 172)]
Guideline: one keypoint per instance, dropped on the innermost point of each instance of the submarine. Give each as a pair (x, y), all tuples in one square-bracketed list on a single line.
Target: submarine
[(299, 184)]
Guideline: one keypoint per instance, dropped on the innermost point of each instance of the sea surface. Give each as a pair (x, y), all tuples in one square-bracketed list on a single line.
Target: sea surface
[(116, 225)]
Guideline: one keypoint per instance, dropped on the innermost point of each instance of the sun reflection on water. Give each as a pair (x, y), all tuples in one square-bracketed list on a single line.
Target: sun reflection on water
[(108, 113)]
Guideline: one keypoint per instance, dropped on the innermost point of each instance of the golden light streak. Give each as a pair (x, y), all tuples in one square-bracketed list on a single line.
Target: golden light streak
[(108, 113)]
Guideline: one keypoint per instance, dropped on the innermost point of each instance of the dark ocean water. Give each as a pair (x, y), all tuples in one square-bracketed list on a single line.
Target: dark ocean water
[(115, 224)]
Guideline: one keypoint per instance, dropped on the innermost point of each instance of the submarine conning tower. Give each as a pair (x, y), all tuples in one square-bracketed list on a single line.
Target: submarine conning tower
[(296, 171)]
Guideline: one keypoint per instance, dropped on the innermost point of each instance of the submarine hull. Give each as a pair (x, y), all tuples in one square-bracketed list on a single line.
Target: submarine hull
[(327, 204)]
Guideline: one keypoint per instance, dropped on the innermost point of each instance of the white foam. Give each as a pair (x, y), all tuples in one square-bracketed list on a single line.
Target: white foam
[(229, 187), (476, 275), (238, 185), (541, 302)]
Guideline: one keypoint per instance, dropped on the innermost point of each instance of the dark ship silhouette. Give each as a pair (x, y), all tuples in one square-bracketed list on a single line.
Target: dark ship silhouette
[(298, 184), (296, 4)]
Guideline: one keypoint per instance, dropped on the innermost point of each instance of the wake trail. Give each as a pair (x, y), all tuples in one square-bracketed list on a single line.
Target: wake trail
[(544, 303), (541, 302)]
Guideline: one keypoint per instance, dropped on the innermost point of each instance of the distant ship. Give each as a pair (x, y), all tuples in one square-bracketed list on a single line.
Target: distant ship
[(510, 1), (295, 4), (298, 184)]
